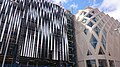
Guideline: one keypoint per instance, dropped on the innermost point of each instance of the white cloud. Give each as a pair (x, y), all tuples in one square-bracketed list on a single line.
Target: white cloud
[(60, 1), (111, 7), (75, 6), (93, 3)]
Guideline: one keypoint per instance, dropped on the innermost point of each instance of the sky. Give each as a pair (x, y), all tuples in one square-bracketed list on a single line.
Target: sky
[(110, 7)]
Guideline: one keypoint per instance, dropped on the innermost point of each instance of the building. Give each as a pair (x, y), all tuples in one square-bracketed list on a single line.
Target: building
[(97, 40), (71, 39), (0, 2), (33, 33), (41, 33)]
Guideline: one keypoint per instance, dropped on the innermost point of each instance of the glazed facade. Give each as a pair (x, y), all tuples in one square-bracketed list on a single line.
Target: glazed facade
[(71, 39), (33, 33), (97, 40)]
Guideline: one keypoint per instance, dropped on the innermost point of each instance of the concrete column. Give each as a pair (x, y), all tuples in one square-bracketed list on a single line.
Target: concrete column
[(108, 63), (27, 63)]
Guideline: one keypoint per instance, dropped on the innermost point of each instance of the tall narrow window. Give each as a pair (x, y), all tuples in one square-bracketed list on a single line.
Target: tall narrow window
[(103, 42), (86, 31), (93, 41), (97, 30)]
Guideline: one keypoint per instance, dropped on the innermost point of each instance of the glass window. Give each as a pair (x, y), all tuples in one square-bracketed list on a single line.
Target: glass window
[(1, 1), (85, 31), (93, 12), (101, 52), (91, 63), (97, 30), (103, 42), (94, 19), (90, 24), (111, 63), (89, 16), (109, 54), (84, 20), (102, 63), (89, 53), (105, 33), (70, 51), (93, 41), (83, 13)]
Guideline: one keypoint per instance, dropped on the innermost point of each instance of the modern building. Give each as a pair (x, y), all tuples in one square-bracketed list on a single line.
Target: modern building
[(97, 39), (33, 33), (71, 39), (43, 34)]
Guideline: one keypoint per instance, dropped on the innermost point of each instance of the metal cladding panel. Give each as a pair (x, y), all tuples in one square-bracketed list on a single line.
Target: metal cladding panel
[(37, 27)]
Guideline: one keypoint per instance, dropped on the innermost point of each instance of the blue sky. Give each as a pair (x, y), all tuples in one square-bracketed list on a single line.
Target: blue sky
[(110, 7), (75, 5)]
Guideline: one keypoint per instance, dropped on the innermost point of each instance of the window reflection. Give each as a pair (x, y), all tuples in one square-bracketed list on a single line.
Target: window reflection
[(84, 20), (111, 63), (93, 41), (86, 31), (97, 30), (90, 24), (94, 19), (102, 63), (103, 42), (91, 63), (89, 16)]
